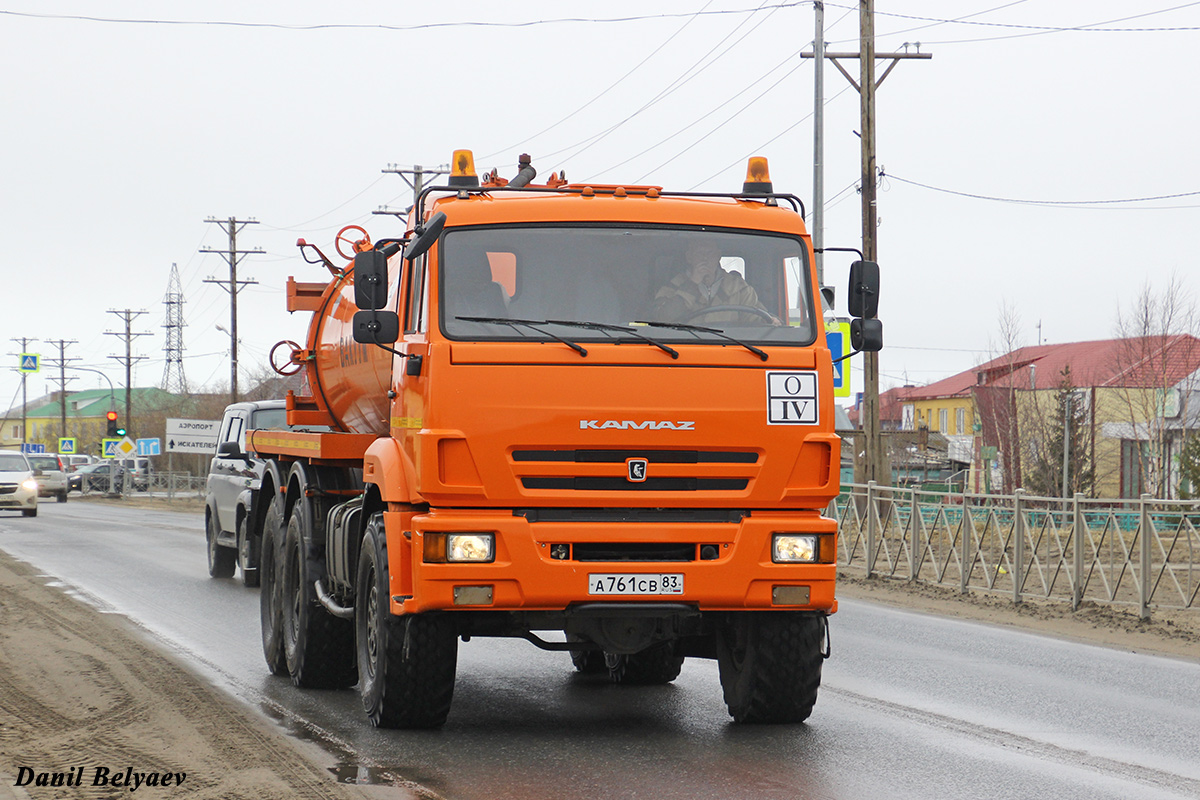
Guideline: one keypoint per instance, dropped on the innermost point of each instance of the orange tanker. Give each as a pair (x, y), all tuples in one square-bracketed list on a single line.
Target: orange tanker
[(604, 412)]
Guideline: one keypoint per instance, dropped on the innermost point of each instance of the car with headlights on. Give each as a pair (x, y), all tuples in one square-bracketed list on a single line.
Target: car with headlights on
[(18, 484)]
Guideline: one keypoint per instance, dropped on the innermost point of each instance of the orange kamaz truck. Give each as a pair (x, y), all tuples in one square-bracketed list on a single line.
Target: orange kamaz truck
[(598, 418)]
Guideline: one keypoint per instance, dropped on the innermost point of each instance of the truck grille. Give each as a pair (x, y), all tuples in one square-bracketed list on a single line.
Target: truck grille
[(604, 470), (653, 456), (621, 484), (633, 551)]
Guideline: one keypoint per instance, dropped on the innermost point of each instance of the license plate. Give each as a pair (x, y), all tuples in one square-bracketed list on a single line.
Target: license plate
[(625, 583)]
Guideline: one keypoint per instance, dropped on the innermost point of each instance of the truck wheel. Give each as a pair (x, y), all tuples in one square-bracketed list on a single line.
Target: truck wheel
[(318, 646), (62, 496), (247, 553), (221, 560), (270, 598), (770, 665), (589, 662), (406, 665), (656, 664)]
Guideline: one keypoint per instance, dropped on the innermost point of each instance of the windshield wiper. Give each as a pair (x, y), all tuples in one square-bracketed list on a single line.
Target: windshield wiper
[(608, 328), (681, 326), (528, 323)]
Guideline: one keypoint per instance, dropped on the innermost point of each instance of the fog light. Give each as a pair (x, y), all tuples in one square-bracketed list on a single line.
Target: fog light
[(472, 547), (560, 552), (794, 548)]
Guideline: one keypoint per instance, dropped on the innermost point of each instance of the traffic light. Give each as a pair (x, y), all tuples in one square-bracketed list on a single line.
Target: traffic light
[(112, 423)]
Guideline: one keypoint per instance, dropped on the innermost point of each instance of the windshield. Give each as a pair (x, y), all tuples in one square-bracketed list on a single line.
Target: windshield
[(43, 462), (13, 462), (674, 284)]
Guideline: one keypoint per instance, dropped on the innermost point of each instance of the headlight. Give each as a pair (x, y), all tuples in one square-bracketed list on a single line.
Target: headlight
[(795, 548), (30, 484), (474, 548), (470, 547)]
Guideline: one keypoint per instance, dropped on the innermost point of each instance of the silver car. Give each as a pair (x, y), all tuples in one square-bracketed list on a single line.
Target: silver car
[(51, 475), (18, 487)]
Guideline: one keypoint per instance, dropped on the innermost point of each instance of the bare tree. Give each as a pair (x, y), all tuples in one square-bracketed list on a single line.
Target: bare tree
[(1156, 368)]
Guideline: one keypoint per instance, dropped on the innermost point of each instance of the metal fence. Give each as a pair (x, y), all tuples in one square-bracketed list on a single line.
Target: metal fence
[(1143, 552)]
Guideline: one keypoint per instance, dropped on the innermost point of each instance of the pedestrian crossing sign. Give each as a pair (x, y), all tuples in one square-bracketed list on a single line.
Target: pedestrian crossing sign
[(30, 362), (66, 447)]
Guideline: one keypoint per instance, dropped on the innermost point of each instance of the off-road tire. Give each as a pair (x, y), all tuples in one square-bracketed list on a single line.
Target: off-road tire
[(319, 647), (589, 662), (657, 664), (247, 553), (770, 665), (406, 664), (221, 560), (270, 599)]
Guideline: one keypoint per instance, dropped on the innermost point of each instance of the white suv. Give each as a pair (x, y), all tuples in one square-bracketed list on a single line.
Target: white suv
[(52, 478), (18, 489)]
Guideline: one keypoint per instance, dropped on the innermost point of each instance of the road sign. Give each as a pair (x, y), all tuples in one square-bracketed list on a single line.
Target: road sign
[(126, 447), (192, 435), (149, 447), (33, 448), (109, 447), (837, 334), (66, 447), (30, 362)]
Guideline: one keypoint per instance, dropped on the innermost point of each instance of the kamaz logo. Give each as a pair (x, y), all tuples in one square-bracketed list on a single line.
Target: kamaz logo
[(628, 425)]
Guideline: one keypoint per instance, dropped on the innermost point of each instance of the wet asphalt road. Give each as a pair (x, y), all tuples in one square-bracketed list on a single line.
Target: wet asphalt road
[(912, 706)]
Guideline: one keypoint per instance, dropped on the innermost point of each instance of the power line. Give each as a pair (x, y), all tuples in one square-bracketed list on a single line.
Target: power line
[(386, 27), (1029, 202), (1034, 30), (684, 78)]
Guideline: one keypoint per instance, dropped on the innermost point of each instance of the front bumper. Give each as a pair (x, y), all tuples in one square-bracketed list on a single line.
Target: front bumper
[(526, 576)]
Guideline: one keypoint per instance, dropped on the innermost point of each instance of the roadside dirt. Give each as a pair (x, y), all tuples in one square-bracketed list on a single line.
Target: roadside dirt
[(84, 698)]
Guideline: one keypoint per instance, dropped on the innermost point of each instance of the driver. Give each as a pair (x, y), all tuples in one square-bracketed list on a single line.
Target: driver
[(703, 284)]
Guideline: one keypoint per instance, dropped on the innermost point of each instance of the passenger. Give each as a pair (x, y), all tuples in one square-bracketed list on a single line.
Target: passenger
[(704, 284)]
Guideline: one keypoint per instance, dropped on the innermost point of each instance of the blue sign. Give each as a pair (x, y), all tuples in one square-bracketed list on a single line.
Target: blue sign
[(149, 447), (110, 447), (33, 448), (66, 447), (30, 362)]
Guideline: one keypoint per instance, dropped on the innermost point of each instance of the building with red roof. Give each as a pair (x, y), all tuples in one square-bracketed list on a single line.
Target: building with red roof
[(1130, 395)]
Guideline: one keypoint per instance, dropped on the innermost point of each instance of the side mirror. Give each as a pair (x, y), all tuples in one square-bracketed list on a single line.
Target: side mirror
[(425, 237), (863, 300), (866, 335), (370, 280), (229, 450), (376, 327)]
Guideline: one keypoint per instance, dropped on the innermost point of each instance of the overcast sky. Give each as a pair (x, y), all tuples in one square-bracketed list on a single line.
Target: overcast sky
[(127, 124)]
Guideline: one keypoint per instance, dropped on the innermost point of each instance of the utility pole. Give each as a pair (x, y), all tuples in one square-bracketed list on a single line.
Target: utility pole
[(24, 342), (129, 316), (418, 175), (875, 465), (232, 256), (818, 199), (61, 363)]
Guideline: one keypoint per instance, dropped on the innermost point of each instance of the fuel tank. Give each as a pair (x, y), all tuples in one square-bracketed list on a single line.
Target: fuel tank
[(347, 379)]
